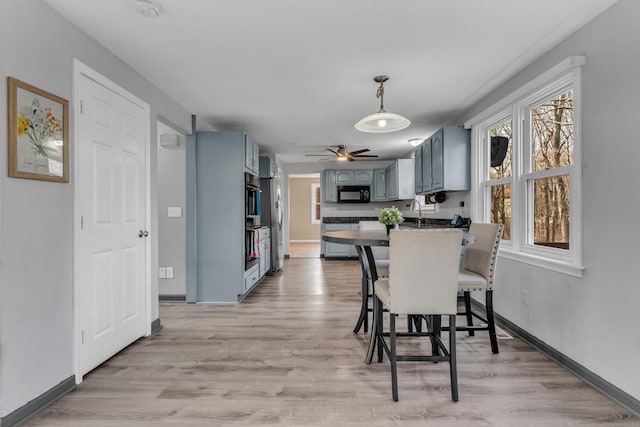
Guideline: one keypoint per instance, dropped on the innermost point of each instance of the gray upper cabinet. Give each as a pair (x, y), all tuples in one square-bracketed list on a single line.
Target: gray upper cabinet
[(446, 158), (362, 176), (400, 177), (344, 177), (379, 185), (251, 156), (417, 168), (329, 192)]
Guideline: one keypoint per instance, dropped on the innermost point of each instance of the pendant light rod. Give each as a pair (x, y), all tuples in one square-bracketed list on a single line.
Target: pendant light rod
[(380, 92)]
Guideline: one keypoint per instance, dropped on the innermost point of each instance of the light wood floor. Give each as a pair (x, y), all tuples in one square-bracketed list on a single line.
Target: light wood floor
[(304, 249), (286, 355)]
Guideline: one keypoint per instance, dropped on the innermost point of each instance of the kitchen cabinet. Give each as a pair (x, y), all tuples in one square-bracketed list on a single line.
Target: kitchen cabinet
[(417, 167), (333, 178), (400, 180), (446, 161), (265, 250), (337, 250), (379, 190), (217, 230), (354, 177), (344, 177), (329, 190), (362, 176), (251, 156)]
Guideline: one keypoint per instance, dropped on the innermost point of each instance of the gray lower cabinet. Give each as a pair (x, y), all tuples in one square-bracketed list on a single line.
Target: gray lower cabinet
[(336, 250)]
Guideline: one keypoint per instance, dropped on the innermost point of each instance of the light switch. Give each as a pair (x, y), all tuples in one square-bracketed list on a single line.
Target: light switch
[(174, 212), (169, 272), (162, 273)]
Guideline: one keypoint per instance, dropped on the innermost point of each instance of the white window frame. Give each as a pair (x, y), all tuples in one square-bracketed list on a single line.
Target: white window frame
[(314, 187), (559, 79)]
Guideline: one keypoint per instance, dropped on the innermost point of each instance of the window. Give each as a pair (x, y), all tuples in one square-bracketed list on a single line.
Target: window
[(527, 172), (315, 203)]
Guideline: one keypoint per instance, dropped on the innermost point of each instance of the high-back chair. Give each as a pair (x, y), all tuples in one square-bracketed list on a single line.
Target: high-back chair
[(477, 274), (380, 253), (423, 281)]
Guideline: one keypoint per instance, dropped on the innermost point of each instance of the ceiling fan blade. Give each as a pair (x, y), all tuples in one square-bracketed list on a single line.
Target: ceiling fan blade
[(323, 155), (351, 159), (365, 155), (334, 152), (364, 150)]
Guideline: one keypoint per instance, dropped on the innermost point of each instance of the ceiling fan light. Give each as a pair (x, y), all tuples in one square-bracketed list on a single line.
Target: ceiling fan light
[(382, 122), (342, 158)]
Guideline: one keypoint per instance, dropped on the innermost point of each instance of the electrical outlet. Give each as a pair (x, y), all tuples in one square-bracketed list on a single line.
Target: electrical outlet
[(162, 273), (525, 296), (169, 272), (462, 203)]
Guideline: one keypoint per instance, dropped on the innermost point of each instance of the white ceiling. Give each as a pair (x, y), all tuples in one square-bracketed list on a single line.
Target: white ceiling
[(298, 74)]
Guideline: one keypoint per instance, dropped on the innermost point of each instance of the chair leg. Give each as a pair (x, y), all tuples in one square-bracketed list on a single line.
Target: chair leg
[(436, 329), (392, 356), (380, 329), (453, 368), (467, 311), (491, 322)]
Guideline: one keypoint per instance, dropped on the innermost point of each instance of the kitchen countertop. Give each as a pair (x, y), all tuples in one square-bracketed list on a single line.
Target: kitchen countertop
[(437, 222)]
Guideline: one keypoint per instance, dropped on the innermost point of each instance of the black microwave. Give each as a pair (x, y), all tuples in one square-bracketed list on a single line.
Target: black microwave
[(354, 194)]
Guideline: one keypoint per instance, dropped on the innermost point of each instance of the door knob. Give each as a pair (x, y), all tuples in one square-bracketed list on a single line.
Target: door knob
[(143, 233)]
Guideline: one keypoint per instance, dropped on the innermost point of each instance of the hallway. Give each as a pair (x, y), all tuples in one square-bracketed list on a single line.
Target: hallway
[(287, 356)]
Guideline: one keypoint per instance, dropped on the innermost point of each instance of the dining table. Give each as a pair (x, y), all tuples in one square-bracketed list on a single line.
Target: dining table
[(363, 241)]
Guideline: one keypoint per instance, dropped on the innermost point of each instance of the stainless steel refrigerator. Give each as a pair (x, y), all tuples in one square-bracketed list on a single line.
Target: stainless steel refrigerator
[(272, 213)]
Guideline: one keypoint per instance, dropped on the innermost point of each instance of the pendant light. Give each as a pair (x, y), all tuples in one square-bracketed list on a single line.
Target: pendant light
[(382, 121)]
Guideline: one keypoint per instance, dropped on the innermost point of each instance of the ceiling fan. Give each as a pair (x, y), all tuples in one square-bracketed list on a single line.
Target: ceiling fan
[(342, 154)]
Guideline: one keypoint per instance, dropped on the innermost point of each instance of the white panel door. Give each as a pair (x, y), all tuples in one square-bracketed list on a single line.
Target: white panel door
[(112, 239)]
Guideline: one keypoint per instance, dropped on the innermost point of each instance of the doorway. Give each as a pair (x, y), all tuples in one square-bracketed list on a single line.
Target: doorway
[(305, 215), (112, 198)]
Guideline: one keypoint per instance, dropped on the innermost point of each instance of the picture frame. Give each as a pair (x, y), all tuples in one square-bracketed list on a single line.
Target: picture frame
[(38, 132)]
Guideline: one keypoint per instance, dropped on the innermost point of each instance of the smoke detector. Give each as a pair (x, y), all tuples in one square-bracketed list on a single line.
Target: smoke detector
[(148, 8)]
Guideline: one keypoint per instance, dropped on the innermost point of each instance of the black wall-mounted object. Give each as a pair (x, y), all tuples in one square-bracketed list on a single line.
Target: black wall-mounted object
[(499, 147)]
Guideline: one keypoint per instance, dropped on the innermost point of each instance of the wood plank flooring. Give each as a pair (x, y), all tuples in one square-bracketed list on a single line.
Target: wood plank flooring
[(287, 356), (304, 249)]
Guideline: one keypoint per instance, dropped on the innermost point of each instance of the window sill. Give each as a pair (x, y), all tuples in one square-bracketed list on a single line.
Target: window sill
[(542, 262)]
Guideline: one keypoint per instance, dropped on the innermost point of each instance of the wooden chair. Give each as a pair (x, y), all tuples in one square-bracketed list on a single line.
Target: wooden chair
[(477, 274), (423, 281)]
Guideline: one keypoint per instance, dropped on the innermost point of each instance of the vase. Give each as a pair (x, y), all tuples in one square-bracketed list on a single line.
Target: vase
[(390, 226)]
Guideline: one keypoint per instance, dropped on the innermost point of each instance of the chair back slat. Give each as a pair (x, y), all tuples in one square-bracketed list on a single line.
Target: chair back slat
[(423, 271)]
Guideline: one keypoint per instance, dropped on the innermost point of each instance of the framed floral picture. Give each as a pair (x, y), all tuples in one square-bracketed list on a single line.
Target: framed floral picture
[(38, 133)]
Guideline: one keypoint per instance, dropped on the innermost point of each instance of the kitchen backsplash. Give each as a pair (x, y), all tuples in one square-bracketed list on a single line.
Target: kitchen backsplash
[(447, 209)]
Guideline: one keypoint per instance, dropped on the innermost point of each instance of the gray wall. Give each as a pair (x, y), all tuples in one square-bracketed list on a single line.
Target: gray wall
[(593, 319), (172, 236), (36, 345)]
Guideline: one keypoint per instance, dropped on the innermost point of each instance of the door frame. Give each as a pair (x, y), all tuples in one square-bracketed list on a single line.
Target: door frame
[(79, 69)]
